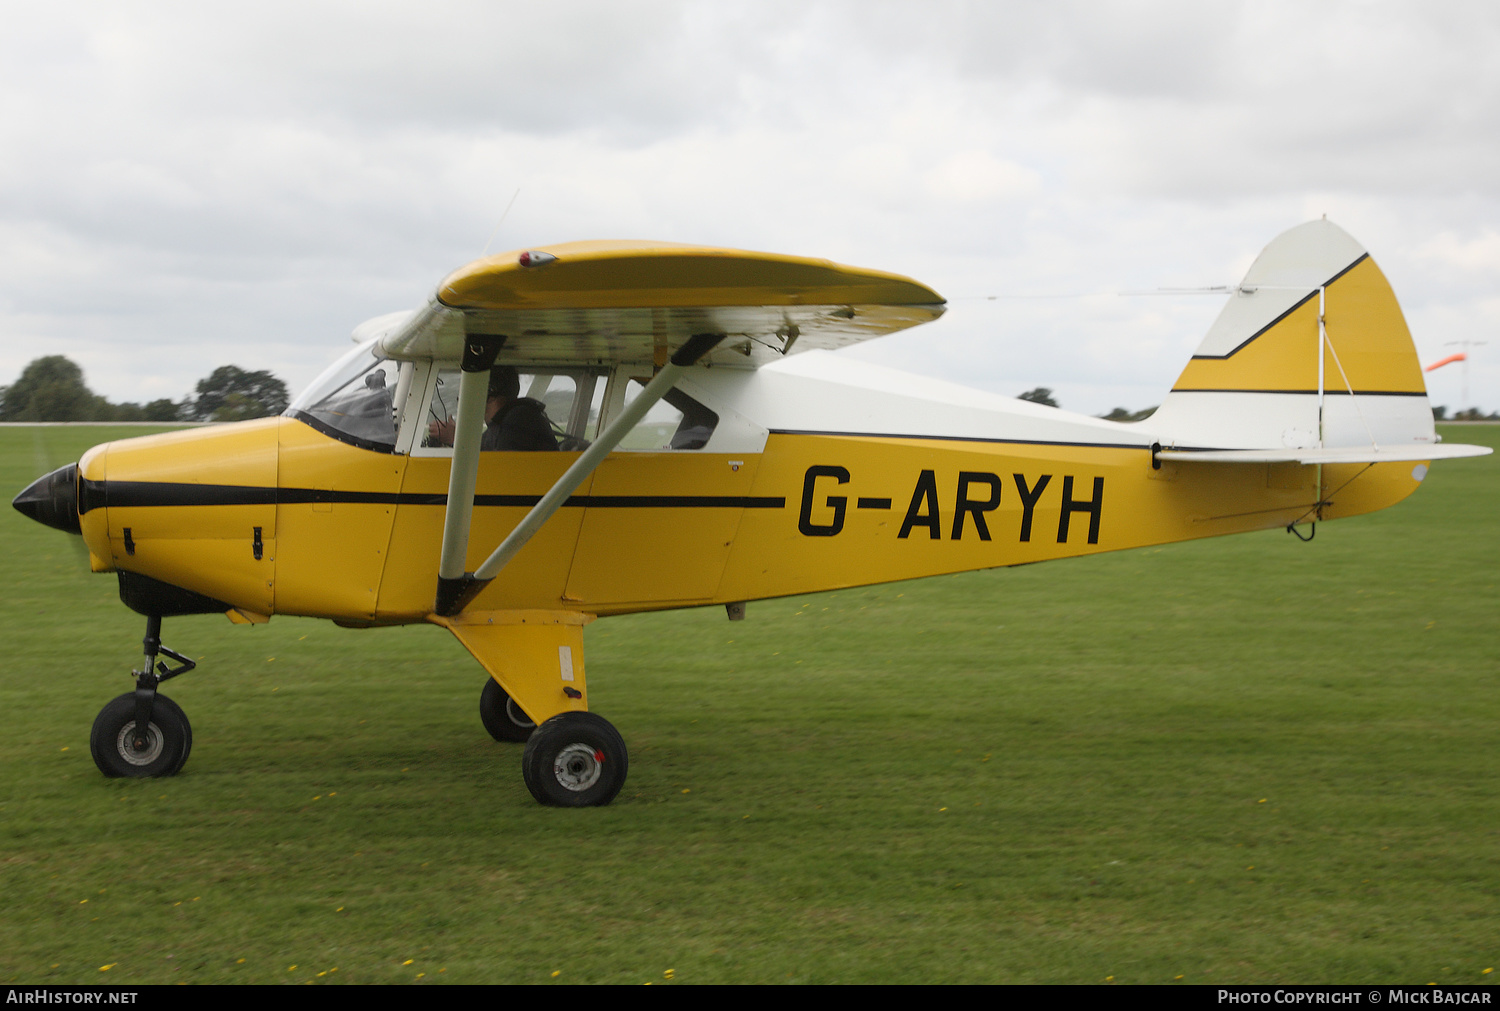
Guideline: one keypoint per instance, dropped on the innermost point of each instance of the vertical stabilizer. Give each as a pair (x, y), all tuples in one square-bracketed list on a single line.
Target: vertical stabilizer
[(1267, 376)]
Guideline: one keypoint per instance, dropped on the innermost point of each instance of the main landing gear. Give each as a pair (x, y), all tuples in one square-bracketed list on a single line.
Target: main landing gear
[(574, 759), (500, 715), (143, 734)]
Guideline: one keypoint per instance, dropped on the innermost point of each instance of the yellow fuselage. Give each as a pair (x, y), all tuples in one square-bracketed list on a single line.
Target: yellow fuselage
[(353, 535)]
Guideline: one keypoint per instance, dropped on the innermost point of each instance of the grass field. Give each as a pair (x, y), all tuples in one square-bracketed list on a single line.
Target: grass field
[(1240, 760)]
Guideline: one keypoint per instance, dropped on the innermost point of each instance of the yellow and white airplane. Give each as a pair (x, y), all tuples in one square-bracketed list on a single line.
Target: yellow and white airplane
[(706, 448)]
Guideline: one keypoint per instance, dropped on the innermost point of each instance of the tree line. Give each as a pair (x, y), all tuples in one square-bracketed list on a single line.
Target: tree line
[(52, 389), (1468, 414), (1043, 395)]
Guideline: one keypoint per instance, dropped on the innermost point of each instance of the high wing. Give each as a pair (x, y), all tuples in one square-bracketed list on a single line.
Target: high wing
[(665, 305), (636, 302)]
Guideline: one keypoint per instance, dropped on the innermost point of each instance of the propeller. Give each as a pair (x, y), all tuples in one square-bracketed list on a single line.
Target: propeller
[(52, 499)]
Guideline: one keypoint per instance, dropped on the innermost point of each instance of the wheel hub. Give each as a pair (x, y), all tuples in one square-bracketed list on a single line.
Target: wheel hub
[(139, 749), (578, 767)]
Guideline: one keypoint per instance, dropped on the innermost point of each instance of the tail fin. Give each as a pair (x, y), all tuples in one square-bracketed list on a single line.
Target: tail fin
[(1257, 382)]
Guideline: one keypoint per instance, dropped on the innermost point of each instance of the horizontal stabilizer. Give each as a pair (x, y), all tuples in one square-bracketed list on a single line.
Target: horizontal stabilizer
[(1346, 454)]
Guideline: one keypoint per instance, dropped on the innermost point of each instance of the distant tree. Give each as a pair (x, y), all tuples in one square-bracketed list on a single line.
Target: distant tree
[(51, 389), (1040, 395), (240, 407), (160, 410), (1439, 413), (1121, 414), (232, 394), (157, 410)]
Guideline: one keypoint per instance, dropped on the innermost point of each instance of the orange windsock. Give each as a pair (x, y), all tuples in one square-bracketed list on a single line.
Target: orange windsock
[(1450, 359)]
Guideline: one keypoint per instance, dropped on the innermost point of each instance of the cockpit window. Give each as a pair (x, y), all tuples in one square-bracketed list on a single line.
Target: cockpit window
[(354, 400), (530, 410)]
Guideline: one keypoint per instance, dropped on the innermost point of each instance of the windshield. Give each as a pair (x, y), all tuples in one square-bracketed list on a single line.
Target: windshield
[(353, 400)]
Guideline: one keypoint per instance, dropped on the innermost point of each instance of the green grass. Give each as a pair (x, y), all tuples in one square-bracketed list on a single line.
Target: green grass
[(1239, 760)]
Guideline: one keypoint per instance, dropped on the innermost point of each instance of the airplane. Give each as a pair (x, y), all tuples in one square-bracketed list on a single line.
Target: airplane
[(692, 440)]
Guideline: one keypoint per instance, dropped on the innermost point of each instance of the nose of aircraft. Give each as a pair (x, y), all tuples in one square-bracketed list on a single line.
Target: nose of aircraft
[(53, 499)]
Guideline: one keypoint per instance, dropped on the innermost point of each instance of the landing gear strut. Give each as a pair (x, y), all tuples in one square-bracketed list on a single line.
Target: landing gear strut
[(142, 733)]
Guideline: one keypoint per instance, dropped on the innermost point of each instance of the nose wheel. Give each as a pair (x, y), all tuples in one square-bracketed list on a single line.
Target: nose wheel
[(143, 734), (124, 746), (575, 760)]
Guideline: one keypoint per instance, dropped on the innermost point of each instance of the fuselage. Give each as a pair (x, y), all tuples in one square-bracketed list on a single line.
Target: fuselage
[(819, 472)]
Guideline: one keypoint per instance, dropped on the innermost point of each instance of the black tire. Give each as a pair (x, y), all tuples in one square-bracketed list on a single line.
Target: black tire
[(187, 732), (505, 720), (575, 760), (166, 746)]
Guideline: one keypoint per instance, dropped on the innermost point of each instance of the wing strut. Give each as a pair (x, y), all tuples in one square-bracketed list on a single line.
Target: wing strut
[(455, 587), (473, 391)]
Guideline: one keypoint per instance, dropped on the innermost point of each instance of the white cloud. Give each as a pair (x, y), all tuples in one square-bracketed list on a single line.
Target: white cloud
[(186, 186), (1477, 254)]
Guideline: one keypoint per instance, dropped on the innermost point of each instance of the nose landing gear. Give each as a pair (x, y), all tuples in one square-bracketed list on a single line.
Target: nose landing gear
[(143, 734)]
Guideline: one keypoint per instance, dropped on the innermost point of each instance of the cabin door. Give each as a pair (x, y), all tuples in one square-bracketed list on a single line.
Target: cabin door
[(663, 509)]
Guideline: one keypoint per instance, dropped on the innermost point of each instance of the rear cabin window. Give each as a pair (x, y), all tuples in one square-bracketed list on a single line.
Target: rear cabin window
[(676, 421)]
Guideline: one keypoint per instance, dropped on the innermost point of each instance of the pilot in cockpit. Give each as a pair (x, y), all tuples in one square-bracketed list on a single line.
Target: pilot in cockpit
[(512, 422)]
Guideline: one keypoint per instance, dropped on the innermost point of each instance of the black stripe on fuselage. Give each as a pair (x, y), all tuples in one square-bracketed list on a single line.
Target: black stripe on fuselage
[(161, 493)]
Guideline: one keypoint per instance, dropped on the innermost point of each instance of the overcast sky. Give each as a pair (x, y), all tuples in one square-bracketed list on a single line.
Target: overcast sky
[(184, 186)]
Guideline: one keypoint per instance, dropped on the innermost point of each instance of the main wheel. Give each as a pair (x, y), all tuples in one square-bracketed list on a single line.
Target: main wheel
[(505, 720), (575, 760), (161, 751)]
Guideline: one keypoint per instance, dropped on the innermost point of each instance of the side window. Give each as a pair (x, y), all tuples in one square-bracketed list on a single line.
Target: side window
[(556, 392), (560, 401), (443, 406), (677, 421)]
